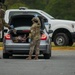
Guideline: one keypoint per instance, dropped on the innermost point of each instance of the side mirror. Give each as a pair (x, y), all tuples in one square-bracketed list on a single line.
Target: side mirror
[(49, 30), (48, 27), (45, 20)]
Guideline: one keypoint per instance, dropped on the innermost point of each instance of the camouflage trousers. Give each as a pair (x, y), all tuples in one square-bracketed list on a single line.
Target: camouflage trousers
[(34, 45)]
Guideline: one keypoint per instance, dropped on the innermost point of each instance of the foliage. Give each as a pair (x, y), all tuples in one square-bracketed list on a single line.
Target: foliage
[(63, 9), (17, 5)]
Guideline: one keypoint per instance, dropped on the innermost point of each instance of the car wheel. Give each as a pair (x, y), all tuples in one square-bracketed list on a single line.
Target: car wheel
[(5, 55), (47, 56), (61, 39)]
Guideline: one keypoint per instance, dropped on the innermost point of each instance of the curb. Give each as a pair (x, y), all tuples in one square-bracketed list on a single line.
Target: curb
[(63, 48), (56, 48), (1, 48)]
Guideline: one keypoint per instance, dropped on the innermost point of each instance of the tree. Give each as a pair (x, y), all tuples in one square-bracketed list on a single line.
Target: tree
[(2, 1), (63, 9)]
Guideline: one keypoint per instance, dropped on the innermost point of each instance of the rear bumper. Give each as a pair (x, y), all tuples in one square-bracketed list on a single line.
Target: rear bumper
[(24, 48)]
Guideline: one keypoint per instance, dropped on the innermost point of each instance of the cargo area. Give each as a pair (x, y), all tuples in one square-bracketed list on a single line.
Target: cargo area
[(20, 36), (22, 24)]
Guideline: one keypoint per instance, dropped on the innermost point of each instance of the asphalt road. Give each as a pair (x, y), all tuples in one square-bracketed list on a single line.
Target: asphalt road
[(61, 63)]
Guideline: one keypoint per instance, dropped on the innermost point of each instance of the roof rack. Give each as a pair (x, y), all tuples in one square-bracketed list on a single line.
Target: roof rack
[(22, 8)]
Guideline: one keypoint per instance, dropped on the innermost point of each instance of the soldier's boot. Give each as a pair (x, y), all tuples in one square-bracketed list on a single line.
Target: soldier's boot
[(36, 57), (29, 57)]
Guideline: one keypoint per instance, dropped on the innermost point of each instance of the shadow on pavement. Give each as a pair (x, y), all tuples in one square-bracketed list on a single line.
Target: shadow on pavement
[(24, 57)]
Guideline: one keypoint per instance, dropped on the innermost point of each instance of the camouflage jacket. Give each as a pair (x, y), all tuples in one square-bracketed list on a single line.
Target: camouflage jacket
[(35, 32), (3, 23)]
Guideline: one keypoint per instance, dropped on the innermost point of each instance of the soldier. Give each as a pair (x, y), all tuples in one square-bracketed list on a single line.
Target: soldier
[(2, 22), (35, 38)]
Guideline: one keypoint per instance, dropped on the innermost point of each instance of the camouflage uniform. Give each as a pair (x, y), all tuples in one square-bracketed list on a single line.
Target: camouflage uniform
[(2, 22), (35, 36)]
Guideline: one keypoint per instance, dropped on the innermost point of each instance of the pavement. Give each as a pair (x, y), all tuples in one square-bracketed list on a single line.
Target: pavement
[(61, 63)]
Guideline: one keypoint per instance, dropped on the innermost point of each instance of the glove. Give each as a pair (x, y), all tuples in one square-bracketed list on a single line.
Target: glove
[(11, 27), (14, 31), (29, 35)]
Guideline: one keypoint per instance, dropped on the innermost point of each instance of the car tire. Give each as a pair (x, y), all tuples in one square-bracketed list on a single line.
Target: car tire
[(5, 55), (47, 56), (61, 39)]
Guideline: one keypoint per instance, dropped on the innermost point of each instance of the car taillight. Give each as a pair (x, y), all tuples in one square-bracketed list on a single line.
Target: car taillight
[(7, 37), (43, 37)]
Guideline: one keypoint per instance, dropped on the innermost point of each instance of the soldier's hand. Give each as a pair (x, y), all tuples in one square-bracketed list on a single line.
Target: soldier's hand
[(14, 31), (29, 35), (11, 27)]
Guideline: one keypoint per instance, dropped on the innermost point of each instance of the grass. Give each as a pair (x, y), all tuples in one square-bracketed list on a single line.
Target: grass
[(1, 44), (63, 47)]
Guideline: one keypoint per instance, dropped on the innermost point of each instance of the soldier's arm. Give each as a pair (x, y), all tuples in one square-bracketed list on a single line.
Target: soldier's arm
[(32, 28), (29, 35), (5, 24), (39, 25)]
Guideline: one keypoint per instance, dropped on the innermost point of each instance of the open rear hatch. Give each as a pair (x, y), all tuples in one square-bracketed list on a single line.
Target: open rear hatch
[(22, 24)]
